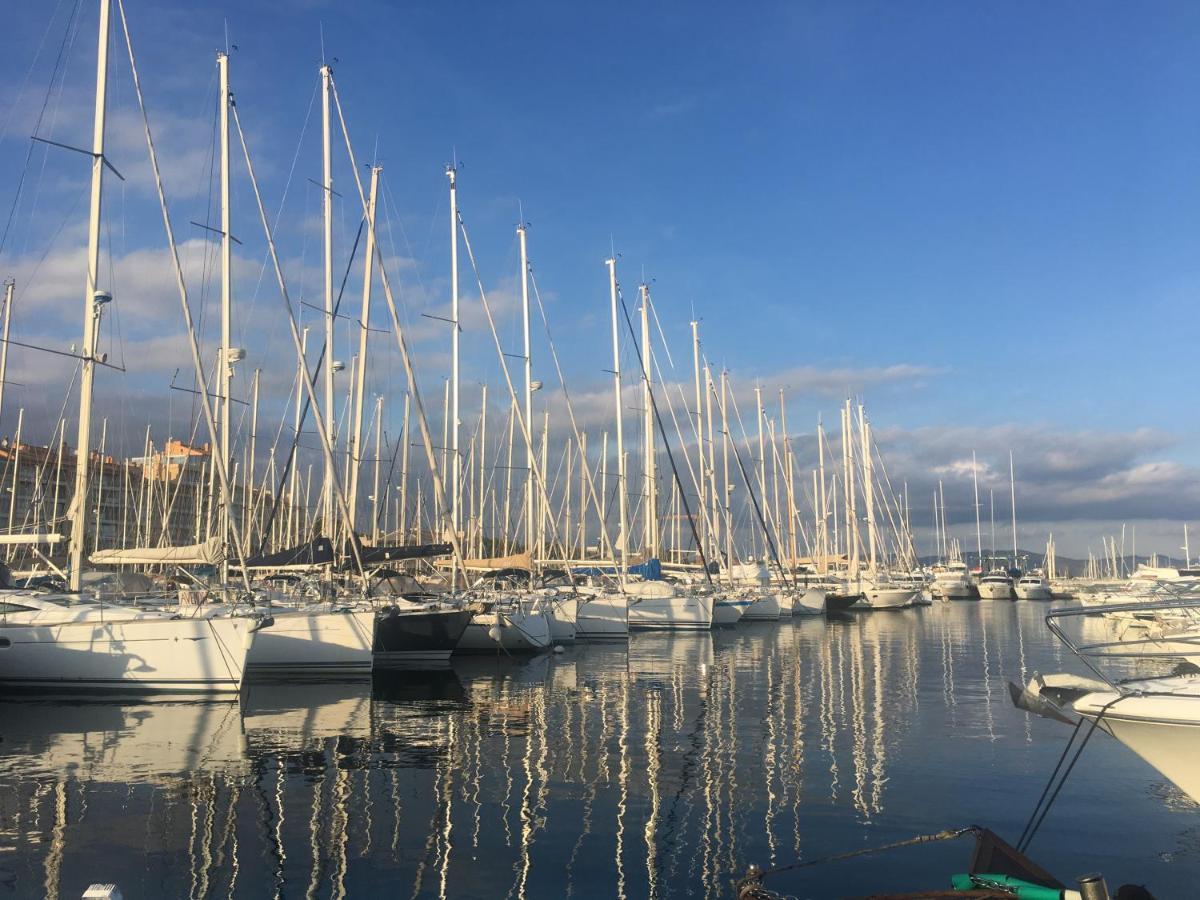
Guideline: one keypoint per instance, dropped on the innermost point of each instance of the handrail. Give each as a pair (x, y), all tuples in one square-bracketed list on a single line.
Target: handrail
[(1107, 649)]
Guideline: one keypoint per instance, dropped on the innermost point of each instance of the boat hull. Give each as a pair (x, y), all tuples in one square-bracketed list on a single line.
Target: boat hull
[(729, 611), (1162, 730), (404, 638), (995, 591), (890, 598), (1035, 592), (765, 608), (303, 642), (809, 603), (604, 617), (680, 613), (191, 655), (514, 630), (564, 615)]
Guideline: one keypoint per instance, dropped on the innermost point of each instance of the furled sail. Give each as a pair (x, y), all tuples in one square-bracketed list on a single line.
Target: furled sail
[(317, 552), (515, 561), (374, 556), (208, 553)]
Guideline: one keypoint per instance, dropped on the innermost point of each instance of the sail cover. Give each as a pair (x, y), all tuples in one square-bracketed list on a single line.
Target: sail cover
[(374, 556), (207, 553), (317, 552), (515, 561)]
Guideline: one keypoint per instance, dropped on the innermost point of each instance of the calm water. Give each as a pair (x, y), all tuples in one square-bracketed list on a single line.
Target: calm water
[(660, 769)]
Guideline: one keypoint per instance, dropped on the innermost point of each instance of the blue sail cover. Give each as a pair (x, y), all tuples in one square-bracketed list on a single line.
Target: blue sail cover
[(650, 570)]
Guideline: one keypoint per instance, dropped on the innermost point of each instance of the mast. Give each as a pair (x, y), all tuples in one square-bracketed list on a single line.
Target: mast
[(848, 478), (378, 456), (9, 288), (248, 513), (868, 483), (762, 455), (1012, 484), (790, 485), (978, 532), (327, 208), (529, 457), (402, 518), (456, 472), (823, 531), (360, 372), (698, 421), (227, 354), (728, 486), (93, 302), (623, 539), (650, 540)]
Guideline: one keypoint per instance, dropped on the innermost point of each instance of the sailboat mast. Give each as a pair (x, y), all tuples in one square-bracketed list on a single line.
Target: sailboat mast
[(698, 420), (456, 472), (978, 532), (1012, 484), (650, 540), (623, 537), (327, 211), (91, 309), (868, 485), (9, 287), (226, 369), (530, 462), (823, 529), (360, 371)]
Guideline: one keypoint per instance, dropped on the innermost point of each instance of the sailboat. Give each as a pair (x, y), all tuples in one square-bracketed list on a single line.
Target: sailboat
[(70, 640), (651, 604)]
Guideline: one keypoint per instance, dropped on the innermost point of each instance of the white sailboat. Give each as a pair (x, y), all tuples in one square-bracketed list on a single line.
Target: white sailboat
[(70, 640)]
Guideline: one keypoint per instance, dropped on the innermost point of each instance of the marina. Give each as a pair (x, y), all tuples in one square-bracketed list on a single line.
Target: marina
[(334, 562), (655, 768)]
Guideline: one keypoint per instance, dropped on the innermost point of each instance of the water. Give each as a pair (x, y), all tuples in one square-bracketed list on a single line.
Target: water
[(660, 769)]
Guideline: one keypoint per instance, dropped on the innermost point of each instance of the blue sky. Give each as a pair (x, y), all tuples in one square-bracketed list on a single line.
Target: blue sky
[(982, 217)]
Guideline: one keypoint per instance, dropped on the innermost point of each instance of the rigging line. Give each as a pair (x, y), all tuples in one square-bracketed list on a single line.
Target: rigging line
[(57, 100), (226, 490), (286, 188), (32, 65), (687, 509), (596, 504), (538, 475), (292, 451), (750, 490), (402, 346), (310, 390), (62, 49), (1067, 774)]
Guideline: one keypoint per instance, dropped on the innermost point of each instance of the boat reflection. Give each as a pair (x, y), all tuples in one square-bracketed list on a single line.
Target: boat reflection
[(604, 770)]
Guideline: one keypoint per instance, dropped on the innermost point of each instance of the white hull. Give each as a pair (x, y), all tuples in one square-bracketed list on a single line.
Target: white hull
[(809, 603), (1162, 730), (564, 616), (142, 653), (670, 613), (1033, 592), (301, 642), (998, 591), (765, 608), (603, 617), (729, 610), (515, 630), (889, 597), (955, 590)]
